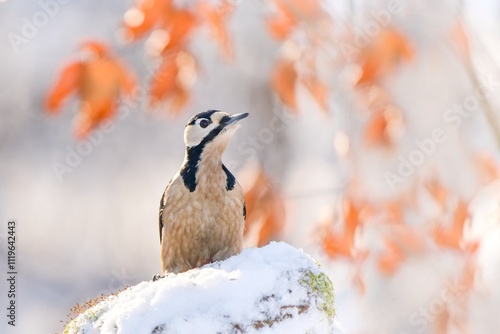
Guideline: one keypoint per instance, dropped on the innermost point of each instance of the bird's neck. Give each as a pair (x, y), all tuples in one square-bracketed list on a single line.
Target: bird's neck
[(200, 161), (206, 157), (210, 163)]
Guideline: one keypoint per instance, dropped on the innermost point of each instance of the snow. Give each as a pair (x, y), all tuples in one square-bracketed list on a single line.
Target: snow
[(273, 289)]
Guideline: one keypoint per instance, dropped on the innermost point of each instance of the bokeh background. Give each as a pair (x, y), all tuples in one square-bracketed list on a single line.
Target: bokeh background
[(340, 155)]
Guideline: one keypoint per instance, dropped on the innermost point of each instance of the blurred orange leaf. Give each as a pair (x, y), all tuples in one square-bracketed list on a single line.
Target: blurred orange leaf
[(376, 131), (461, 288), (393, 211), (461, 39), (172, 80), (383, 54), (487, 167), (281, 24), (308, 9), (359, 282), (386, 123), (283, 82), (181, 23), (67, 83), (289, 13), (441, 324), (216, 17), (452, 237), (173, 27), (164, 81), (146, 15), (469, 272), (342, 243), (318, 90), (265, 210), (402, 241), (438, 192), (391, 257), (99, 80)]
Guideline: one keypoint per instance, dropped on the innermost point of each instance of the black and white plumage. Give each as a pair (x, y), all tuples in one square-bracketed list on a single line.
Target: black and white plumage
[(202, 211)]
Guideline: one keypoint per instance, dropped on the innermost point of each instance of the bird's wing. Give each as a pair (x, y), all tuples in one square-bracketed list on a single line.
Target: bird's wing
[(162, 206), (163, 202), (232, 184)]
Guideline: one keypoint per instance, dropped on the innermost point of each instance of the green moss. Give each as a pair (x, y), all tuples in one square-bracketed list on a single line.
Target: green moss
[(70, 328), (321, 287), (91, 315), (67, 328)]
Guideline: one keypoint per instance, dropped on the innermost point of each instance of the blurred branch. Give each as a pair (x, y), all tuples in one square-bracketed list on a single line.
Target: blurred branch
[(473, 77), (485, 104)]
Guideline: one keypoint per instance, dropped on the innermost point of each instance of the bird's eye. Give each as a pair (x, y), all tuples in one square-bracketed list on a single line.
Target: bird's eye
[(204, 123)]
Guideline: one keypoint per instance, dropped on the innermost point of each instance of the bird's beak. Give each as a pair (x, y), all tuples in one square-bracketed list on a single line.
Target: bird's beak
[(233, 119)]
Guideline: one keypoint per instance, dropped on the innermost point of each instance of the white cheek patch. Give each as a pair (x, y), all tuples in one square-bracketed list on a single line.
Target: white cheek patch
[(192, 137), (194, 134)]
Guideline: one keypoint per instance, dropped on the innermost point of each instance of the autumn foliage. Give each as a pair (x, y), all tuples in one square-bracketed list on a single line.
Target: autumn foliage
[(170, 30), (265, 209), (306, 33), (382, 56), (99, 79), (297, 65)]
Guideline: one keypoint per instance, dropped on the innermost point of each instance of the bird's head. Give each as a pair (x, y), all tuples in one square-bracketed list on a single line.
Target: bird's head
[(211, 128)]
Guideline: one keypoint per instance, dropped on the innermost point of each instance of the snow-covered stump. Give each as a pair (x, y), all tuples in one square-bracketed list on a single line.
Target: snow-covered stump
[(273, 289)]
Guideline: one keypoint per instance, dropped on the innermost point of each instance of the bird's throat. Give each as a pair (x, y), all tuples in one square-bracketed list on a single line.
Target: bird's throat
[(201, 159)]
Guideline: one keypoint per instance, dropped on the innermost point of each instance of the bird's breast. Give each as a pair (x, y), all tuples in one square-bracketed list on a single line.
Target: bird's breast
[(202, 225)]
